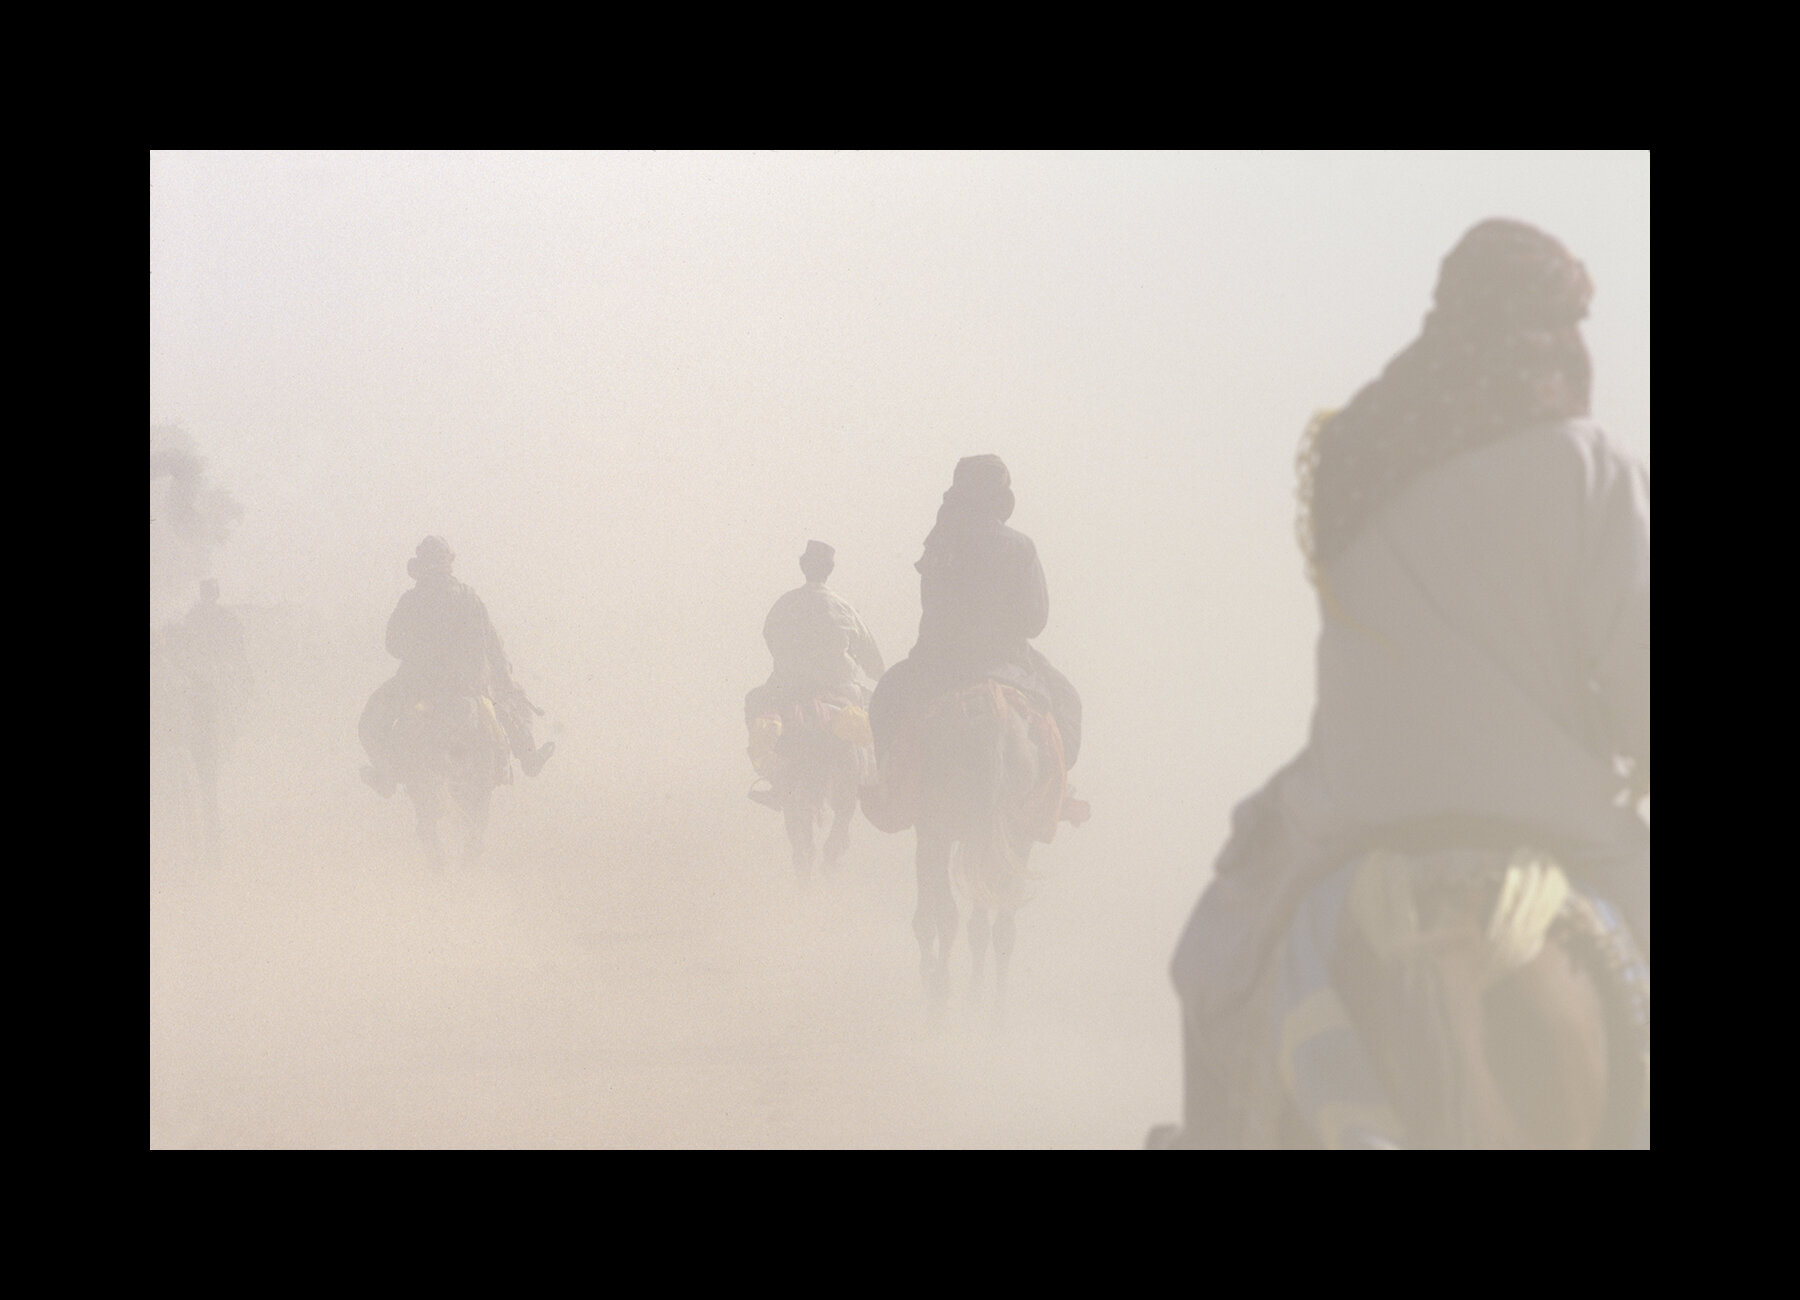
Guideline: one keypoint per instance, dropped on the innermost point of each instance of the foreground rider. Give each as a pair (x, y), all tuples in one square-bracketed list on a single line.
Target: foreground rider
[(983, 597), (821, 651), (1482, 556), (446, 644)]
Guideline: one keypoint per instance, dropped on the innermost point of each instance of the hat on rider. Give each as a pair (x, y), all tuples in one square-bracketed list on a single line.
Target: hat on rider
[(433, 556), (818, 560)]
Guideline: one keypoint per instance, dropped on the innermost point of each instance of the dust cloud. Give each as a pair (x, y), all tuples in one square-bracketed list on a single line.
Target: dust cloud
[(628, 388)]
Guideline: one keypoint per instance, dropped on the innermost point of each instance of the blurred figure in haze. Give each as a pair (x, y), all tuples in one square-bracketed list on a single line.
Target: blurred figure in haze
[(208, 645), (822, 652), (982, 597), (213, 681), (446, 644), (1481, 552)]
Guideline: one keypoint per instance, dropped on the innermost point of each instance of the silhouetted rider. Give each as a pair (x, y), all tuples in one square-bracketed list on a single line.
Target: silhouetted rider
[(447, 646), (822, 651), (982, 597)]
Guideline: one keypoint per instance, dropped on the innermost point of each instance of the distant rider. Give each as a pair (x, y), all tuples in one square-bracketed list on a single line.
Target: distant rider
[(982, 597), (822, 651), (446, 644)]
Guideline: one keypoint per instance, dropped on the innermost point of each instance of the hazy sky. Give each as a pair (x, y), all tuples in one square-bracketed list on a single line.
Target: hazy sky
[(629, 387)]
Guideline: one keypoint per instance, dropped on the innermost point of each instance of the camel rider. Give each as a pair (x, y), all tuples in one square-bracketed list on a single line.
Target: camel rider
[(982, 597), (446, 644), (1481, 554), (822, 651)]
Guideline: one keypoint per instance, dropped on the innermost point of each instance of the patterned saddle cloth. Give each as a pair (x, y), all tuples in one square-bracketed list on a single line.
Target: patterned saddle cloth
[(892, 802)]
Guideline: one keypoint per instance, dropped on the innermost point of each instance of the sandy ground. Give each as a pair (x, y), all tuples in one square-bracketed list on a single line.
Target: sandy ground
[(629, 970)]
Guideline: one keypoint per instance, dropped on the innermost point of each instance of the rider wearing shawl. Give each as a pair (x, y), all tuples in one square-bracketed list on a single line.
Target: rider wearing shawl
[(446, 644), (1482, 556), (982, 597)]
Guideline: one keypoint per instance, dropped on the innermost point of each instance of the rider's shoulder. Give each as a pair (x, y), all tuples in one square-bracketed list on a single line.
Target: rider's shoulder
[(1578, 439), (1582, 451), (835, 601), (1016, 542), (440, 591)]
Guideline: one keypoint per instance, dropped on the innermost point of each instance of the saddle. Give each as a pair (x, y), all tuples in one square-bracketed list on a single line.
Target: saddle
[(814, 717), (892, 803), (773, 735), (453, 731)]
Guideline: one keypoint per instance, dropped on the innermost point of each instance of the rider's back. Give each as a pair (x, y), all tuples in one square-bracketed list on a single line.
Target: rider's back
[(1484, 649), (982, 597), (819, 646), (439, 631)]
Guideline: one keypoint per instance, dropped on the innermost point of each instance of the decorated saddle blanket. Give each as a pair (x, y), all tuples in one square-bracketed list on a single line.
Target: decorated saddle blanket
[(774, 731), (455, 733), (1298, 1039), (892, 803)]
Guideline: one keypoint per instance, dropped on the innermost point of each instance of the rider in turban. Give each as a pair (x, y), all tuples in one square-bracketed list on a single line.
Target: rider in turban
[(982, 598)]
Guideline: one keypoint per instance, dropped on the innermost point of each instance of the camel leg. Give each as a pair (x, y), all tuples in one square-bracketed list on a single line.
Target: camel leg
[(837, 843), (426, 805), (980, 924), (843, 812), (1005, 933), (799, 817), (476, 810), (934, 921)]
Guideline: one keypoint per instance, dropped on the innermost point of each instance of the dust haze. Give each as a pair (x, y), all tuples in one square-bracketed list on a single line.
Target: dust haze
[(628, 388)]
